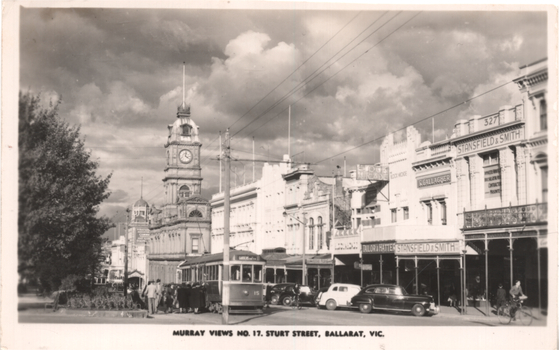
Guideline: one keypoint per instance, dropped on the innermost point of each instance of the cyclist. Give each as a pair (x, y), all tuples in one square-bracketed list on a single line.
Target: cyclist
[(516, 293), (297, 292)]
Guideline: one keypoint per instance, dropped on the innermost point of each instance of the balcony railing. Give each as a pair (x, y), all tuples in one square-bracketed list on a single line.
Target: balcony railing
[(529, 214)]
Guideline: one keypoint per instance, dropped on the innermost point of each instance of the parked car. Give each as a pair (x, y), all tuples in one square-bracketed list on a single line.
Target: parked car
[(306, 295), (277, 290), (393, 298), (338, 295)]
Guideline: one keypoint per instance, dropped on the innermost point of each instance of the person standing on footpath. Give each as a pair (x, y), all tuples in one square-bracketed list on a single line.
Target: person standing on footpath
[(151, 292), (501, 296), (159, 294)]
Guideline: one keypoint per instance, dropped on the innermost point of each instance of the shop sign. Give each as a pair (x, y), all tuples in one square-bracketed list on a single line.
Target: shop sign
[(433, 180), (319, 261), (430, 248), (347, 245), (372, 172), (492, 181), (397, 175), (490, 141), (378, 248), (365, 267)]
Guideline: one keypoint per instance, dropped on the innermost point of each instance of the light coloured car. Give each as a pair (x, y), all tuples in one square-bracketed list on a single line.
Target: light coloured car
[(338, 295)]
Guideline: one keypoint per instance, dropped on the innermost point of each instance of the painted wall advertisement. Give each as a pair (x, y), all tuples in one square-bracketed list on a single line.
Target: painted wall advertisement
[(492, 181), (372, 172)]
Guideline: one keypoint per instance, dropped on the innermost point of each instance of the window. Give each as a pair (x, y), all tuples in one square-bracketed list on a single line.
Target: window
[(443, 212), (186, 130), (195, 242), (247, 273), (257, 273), (393, 215), (311, 233), (492, 177), (235, 273), (319, 224), (195, 214), (429, 210), (343, 289), (543, 115), (406, 213), (184, 192), (544, 184)]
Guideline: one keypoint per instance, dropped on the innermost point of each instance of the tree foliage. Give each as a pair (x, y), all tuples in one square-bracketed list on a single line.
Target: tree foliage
[(59, 197)]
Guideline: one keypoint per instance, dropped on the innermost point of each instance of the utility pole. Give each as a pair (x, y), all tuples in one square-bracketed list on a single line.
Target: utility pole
[(126, 254), (304, 278), (226, 214)]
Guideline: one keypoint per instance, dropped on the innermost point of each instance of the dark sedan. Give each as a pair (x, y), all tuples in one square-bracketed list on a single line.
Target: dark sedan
[(393, 298), (277, 290)]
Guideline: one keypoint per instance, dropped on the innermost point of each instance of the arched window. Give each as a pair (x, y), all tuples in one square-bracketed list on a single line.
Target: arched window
[(195, 214), (186, 130), (543, 115), (311, 234), (184, 192), (319, 224)]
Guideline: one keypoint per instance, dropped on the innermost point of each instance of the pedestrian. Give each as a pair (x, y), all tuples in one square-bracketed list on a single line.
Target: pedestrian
[(182, 297), (187, 296), (169, 299), (268, 295), (501, 296), (151, 293), (195, 298), (145, 295), (159, 295)]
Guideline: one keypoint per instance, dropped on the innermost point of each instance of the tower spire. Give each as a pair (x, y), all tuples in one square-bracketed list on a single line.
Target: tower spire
[(142, 188), (183, 83)]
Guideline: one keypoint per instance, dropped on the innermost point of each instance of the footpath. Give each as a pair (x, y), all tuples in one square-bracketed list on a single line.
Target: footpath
[(481, 314)]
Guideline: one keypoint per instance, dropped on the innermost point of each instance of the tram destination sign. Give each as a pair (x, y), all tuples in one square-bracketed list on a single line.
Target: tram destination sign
[(247, 257), (427, 248), (372, 172)]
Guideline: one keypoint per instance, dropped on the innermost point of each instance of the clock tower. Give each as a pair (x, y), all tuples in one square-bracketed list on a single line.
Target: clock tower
[(182, 172)]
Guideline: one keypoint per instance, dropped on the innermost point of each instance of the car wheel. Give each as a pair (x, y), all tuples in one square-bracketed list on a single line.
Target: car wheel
[(286, 301), (418, 310), (331, 304), (274, 300), (365, 308)]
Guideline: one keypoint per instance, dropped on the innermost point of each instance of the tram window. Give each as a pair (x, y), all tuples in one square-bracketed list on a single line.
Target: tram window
[(235, 273), (257, 273), (247, 273)]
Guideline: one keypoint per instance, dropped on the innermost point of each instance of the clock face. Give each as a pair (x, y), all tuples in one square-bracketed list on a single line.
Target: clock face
[(185, 156)]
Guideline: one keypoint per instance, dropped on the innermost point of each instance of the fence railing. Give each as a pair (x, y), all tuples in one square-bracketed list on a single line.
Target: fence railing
[(528, 214)]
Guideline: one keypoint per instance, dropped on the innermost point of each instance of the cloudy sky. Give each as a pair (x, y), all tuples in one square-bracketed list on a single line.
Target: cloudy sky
[(350, 76)]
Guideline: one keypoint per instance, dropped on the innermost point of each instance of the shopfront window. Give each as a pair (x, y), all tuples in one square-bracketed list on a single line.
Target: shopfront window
[(492, 177)]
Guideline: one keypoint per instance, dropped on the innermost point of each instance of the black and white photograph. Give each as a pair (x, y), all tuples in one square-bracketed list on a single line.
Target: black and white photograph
[(280, 174)]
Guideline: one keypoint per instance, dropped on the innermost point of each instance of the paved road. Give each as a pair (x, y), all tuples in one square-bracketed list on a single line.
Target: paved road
[(274, 316)]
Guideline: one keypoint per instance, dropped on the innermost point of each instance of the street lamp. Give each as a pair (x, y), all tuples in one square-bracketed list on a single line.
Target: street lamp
[(304, 222)]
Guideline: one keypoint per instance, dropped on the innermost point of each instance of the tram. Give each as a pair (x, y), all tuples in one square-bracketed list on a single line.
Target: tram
[(246, 274)]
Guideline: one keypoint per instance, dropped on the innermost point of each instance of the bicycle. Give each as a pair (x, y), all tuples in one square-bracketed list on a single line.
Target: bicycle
[(505, 313), (296, 302)]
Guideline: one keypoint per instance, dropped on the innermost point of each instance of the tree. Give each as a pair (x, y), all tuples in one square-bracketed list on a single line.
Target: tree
[(59, 197)]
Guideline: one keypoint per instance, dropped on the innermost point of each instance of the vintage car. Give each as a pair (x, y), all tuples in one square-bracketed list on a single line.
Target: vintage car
[(337, 295), (277, 290), (306, 295), (393, 298)]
